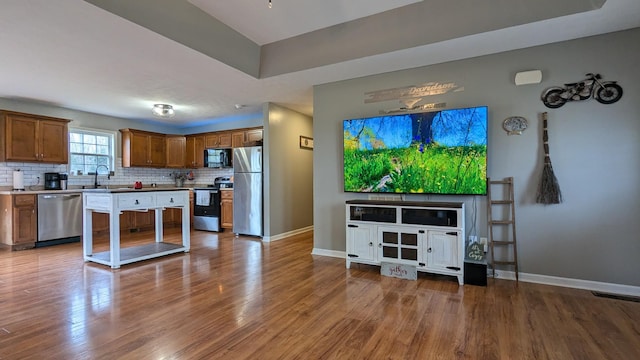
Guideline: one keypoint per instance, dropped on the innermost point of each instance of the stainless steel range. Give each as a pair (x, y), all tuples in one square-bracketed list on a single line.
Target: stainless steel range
[(206, 208)]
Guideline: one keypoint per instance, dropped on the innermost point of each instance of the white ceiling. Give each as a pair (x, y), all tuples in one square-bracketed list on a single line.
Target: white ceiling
[(72, 54)]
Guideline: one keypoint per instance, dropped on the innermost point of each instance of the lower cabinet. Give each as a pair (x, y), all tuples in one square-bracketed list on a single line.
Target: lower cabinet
[(226, 209), (134, 220), (427, 235), (360, 244), (18, 221)]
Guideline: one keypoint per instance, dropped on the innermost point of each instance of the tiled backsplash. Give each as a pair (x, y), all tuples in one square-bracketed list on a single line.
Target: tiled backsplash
[(123, 176)]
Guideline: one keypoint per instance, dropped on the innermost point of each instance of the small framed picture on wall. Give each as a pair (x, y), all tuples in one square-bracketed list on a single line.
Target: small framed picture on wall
[(306, 142)]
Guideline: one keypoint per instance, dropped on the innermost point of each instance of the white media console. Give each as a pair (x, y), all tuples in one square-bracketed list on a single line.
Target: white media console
[(428, 235)]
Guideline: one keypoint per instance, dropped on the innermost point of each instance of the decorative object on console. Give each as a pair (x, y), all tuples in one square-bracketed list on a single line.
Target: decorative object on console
[(475, 251), (549, 189), (605, 92), (515, 125), (402, 271)]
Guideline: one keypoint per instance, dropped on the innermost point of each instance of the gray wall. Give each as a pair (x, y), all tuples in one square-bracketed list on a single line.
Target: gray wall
[(288, 171), (595, 149)]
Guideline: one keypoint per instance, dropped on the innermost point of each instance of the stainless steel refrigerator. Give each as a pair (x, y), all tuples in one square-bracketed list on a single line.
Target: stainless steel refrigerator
[(247, 190)]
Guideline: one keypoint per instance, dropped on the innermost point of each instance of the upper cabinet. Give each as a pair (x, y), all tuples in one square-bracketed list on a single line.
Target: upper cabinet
[(143, 148), (195, 151), (217, 140), (176, 151), (33, 138), (241, 138)]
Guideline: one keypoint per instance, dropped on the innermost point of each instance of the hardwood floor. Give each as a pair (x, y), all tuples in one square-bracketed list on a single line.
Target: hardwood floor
[(239, 298)]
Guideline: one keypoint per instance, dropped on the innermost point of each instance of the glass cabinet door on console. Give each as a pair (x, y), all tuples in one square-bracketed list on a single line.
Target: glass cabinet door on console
[(398, 244)]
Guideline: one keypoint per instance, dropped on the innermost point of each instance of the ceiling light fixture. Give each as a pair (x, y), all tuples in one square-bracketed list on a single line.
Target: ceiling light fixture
[(270, 5), (162, 110)]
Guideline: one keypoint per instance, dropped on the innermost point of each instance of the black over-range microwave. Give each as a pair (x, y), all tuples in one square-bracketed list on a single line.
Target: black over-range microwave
[(217, 158)]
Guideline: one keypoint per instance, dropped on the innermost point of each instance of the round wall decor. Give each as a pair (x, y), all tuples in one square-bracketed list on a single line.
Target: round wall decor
[(515, 125)]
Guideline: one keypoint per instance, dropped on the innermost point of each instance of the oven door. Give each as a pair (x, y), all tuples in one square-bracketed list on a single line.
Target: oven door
[(209, 208), (206, 210)]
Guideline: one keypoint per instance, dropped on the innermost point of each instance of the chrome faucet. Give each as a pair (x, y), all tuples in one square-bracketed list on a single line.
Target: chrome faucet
[(95, 181)]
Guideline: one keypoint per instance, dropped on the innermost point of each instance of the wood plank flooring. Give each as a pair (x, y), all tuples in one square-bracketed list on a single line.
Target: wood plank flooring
[(239, 298)]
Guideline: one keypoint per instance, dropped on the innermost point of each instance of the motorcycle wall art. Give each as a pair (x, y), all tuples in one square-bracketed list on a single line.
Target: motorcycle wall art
[(605, 92)]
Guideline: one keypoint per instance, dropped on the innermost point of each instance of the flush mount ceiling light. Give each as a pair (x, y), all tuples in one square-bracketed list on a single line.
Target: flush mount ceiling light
[(162, 110)]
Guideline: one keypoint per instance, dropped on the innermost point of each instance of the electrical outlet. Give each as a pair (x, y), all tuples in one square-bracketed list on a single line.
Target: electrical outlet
[(473, 239), (484, 243)]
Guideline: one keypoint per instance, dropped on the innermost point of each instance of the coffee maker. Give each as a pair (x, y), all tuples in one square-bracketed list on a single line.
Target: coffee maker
[(52, 181)]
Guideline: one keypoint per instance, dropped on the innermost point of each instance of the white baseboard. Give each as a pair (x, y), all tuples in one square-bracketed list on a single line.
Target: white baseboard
[(571, 283), (330, 253), (534, 278), (287, 234)]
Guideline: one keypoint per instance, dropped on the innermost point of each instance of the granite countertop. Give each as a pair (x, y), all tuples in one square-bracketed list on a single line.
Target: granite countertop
[(109, 189), (130, 189)]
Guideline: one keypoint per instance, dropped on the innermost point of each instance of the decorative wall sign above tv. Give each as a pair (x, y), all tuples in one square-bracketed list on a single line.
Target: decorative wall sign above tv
[(411, 92), (605, 92), (438, 152)]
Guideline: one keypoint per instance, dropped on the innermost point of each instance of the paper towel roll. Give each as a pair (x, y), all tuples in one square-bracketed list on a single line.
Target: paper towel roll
[(18, 180)]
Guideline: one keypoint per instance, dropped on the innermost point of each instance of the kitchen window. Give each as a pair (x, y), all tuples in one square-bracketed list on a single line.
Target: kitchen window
[(89, 149)]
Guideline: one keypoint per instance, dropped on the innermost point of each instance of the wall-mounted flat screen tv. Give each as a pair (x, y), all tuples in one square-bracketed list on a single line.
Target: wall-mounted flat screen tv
[(437, 152)]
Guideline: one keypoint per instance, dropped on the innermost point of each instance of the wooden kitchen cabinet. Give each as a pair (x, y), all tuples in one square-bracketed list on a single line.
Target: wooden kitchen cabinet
[(18, 221), (195, 151), (100, 222), (33, 138), (143, 220), (217, 140), (143, 149), (176, 151), (226, 209), (240, 138)]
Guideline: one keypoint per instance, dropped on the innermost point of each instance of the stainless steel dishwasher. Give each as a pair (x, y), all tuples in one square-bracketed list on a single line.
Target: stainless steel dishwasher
[(59, 218)]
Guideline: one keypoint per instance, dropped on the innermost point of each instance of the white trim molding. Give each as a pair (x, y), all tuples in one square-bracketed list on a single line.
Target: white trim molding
[(330, 253), (570, 283), (534, 278), (287, 234)]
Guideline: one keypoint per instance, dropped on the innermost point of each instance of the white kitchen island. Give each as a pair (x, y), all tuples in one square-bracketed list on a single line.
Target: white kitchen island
[(115, 201)]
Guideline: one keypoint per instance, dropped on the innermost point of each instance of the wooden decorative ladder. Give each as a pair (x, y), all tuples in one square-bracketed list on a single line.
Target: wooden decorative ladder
[(507, 239)]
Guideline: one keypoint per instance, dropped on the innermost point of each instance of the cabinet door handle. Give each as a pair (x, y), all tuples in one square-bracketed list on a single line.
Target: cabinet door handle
[(379, 245), (453, 268), (137, 202), (352, 226), (352, 255), (421, 231), (371, 243), (429, 250), (452, 233), (171, 201)]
